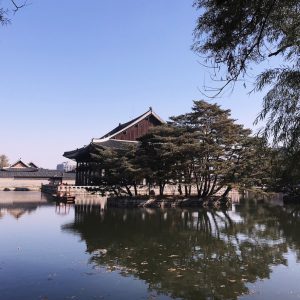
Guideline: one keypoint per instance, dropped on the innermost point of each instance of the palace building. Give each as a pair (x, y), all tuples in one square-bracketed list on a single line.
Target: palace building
[(21, 175), (121, 137)]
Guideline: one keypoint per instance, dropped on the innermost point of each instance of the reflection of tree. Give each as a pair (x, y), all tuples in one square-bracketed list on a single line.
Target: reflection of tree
[(290, 226), (280, 222), (186, 254)]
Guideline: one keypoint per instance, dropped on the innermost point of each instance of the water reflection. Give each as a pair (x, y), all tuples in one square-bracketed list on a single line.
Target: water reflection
[(18, 204), (190, 254), (187, 254)]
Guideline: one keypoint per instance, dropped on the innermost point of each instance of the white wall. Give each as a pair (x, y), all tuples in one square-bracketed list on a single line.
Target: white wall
[(32, 184)]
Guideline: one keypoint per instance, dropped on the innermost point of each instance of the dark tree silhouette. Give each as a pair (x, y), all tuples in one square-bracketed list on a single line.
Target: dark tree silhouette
[(237, 33)]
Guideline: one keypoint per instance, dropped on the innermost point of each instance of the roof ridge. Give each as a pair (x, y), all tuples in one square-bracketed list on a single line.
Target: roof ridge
[(128, 124), (19, 161)]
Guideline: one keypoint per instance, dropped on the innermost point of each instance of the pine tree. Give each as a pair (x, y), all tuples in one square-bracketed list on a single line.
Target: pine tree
[(115, 170), (204, 149)]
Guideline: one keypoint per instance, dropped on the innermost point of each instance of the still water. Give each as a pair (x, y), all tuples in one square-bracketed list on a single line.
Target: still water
[(250, 251)]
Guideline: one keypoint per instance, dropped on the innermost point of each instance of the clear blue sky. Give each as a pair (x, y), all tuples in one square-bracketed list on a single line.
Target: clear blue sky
[(72, 70)]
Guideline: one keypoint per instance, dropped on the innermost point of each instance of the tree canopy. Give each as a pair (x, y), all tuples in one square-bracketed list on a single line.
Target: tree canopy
[(236, 33), (4, 162)]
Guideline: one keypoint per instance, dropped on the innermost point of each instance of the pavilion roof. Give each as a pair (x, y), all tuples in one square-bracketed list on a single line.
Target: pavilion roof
[(128, 124), (115, 144), (108, 140), (106, 143)]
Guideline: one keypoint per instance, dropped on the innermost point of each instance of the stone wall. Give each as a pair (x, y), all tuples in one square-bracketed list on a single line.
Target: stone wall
[(31, 184)]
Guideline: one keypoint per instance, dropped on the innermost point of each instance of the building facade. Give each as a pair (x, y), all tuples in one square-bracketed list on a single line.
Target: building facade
[(121, 137), (66, 167)]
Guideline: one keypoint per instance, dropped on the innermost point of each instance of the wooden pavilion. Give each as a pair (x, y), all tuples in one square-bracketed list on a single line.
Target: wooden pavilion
[(121, 137)]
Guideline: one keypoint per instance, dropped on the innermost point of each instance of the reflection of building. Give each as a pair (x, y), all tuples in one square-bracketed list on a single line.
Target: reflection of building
[(19, 204), (118, 138), (30, 176)]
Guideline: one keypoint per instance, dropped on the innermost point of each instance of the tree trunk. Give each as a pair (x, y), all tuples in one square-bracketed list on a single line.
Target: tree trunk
[(161, 189), (211, 192), (180, 189), (228, 189), (186, 190), (204, 193), (128, 191), (135, 190), (200, 189)]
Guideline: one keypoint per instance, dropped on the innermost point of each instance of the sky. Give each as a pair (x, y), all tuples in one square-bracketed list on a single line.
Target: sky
[(73, 70)]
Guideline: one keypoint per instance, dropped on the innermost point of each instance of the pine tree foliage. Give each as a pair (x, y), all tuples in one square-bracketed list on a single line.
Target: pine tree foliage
[(156, 155), (204, 149), (115, 170)]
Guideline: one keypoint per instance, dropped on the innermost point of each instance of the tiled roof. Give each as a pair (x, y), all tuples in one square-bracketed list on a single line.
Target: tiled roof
[(19, 162), (122, 126), (115, 144), (36, 173), (20, 170), (78, 152), (32, 165), (108, 141), (105, 143), (129, 124)]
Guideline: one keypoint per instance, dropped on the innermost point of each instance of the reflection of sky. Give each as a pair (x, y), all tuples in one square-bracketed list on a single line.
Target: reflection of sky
[(45, 260), (235, 216), (283, 283)]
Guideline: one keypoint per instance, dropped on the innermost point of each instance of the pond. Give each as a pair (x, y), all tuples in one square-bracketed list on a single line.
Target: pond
[(249, 251)]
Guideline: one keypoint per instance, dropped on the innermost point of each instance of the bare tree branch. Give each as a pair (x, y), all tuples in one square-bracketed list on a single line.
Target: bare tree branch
[(18, 6)]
